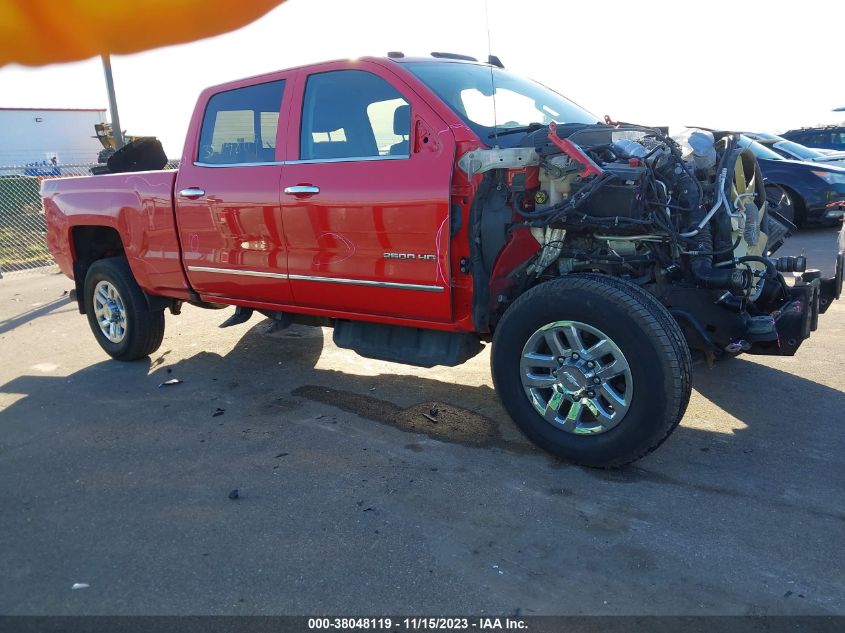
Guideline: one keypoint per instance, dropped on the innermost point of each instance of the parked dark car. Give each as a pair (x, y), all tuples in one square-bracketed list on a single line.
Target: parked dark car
[(827, 137), (796, 151), (816, 191)]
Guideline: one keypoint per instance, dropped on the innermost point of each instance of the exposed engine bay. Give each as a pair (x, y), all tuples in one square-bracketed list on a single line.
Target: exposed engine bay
[(686, 219)]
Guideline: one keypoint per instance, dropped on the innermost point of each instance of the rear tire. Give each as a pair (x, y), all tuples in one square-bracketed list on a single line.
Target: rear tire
[(645, 404), (118, 313)]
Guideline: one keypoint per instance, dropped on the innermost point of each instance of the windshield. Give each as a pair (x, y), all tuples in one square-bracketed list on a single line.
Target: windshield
[(758, 150), (798, 150), (468, 90)]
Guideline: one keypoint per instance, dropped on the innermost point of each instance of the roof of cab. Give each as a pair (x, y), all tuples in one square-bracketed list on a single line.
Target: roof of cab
[(414, 60), (369, 58)]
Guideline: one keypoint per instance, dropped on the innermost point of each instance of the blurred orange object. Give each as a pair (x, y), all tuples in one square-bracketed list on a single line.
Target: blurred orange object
[(36, 32)]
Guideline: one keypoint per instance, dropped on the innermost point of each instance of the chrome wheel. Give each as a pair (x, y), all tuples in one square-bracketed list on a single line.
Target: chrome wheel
[(110, 312), (576, 377)]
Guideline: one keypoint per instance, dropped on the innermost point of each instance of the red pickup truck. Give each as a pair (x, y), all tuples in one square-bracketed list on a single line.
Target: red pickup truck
[(423, 206)]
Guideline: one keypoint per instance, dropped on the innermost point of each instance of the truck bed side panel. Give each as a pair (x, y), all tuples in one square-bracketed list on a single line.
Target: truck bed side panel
[(139, 206)]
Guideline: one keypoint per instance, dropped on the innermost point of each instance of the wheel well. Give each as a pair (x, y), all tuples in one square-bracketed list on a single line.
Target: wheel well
[(797, 202), (91, 243)]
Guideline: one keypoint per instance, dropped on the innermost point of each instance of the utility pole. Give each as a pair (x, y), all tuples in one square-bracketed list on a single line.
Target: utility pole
[(117, 131)]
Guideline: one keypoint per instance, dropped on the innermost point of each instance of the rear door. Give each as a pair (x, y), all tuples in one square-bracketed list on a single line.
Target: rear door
[(365, 202), (227, 195)]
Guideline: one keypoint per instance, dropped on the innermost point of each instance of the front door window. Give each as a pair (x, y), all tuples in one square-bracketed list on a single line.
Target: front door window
[(350, 114)]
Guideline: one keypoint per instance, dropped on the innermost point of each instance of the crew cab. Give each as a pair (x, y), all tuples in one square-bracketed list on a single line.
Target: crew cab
[(425, 206)]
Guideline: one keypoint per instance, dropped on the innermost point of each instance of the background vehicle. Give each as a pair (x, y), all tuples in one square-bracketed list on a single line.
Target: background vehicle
[(826, 137), (816, 190), (380, 197), (796, 151)]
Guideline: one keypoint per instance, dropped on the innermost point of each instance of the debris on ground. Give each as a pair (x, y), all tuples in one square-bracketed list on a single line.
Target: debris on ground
[(218, 412), (432, 414), (282, 455), (172, 381), (453, 423), (234, 494), (80, 585)]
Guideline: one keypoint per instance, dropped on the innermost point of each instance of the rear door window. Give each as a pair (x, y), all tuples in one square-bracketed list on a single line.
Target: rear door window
[(349, 114), (240, 125)]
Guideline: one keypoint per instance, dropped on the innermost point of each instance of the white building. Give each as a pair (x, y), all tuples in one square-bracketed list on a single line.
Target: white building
[(33, 135)]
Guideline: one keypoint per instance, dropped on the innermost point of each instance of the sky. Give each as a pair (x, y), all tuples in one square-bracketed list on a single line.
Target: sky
[(758, 66)]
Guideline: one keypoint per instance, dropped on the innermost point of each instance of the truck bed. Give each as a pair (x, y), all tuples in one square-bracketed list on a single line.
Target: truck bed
[(137, 205)]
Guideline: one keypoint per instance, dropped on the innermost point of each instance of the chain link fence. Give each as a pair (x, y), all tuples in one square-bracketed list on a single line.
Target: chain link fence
[(22, 227)]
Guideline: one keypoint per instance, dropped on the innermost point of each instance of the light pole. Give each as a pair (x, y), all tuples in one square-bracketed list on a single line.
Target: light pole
[(117, 131)]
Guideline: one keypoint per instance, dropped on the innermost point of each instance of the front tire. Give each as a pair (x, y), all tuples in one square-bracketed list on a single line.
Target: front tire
[(779, 200), (593, 370), (118, 313)]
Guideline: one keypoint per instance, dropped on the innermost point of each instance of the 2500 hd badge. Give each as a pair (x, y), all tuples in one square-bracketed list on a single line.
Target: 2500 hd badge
[(426, 257)]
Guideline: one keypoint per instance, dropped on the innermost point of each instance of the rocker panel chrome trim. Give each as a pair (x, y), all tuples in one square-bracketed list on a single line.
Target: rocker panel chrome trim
[(332, 280)]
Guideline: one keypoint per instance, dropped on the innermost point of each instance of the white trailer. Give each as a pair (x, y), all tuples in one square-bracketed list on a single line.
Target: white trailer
[(49, 135)]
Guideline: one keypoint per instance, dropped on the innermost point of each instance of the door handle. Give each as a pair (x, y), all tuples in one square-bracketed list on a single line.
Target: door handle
[(192, 193), (302, 190)]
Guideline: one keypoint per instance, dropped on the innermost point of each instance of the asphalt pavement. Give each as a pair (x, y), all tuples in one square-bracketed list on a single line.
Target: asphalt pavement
[(285, 476)]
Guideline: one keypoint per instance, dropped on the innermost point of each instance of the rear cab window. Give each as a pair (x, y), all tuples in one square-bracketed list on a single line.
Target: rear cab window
[(240, 126), (353, 114)]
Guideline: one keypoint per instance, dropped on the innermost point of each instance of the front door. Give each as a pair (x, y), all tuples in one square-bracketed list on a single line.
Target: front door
[(365, 206), (227, 197)]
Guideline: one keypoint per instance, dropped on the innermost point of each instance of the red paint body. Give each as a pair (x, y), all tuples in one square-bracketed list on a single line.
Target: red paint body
[(139, 206), (245, 222)]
